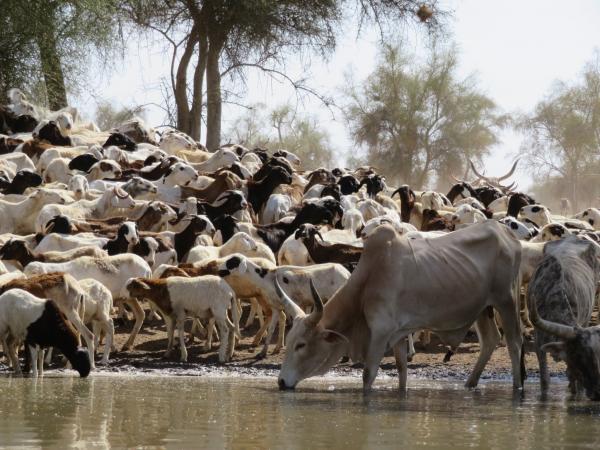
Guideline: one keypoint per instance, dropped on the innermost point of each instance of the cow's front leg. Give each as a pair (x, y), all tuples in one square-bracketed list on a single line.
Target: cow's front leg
[(374, 356)]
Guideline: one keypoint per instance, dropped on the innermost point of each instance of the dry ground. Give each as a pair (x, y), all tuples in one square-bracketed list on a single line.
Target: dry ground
[(427, 363)]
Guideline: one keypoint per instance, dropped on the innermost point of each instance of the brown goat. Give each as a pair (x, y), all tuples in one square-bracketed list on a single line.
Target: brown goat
[(224, 181), (323, 252)]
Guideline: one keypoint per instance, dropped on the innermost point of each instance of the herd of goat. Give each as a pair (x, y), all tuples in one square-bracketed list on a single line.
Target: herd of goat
[(127, 218)]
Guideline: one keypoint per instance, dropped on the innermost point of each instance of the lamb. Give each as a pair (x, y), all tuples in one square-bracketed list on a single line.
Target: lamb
[(467, 215), (323, 252), (18, 250), (127, 236), (260, 190), (98, 309), (220, 158), (79, 185), (39, 324), (239, 243), (86, 209), (19, 217), (276, 207), (66, 293), (202, 297), (112, 271), (251, 277)]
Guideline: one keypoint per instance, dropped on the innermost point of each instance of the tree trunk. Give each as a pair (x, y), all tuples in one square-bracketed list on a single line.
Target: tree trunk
[(195, 119), (213, 95), (51, 67), (180, 88)]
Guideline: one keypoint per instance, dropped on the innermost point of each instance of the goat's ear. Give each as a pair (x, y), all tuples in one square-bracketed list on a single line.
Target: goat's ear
[(139, 284), (243, 267)]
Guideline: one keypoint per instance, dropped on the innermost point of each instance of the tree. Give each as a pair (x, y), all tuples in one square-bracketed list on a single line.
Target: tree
[(562, 135), (230, 37), (418, 119), (283, 129), (107, 116), (55, 39)]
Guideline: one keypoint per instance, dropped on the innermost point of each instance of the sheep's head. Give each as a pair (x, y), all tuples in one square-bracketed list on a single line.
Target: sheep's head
[(121, 199)]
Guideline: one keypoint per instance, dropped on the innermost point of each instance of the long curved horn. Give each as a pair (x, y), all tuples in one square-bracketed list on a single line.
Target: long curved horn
[(320, 235), (315, 316), (457, 180), (395, 192), (553, 328), (510, 172), (291, 309), (479, 176)]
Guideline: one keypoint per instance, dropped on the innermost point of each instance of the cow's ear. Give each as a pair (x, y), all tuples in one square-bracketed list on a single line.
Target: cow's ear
[(558, 349), (333, 337)]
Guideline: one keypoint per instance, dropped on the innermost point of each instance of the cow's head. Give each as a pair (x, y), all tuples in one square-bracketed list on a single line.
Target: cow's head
[(311, 349), (578, 347)]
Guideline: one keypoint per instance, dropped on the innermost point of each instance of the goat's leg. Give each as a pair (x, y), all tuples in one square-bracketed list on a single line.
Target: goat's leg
[(139, 320), (281, 337), (180, 321), (210, 330), (33, 353), (170, 335), (226, 330), (253, 309), (88, 336), (49, 355), (272, 324), (109, 331)]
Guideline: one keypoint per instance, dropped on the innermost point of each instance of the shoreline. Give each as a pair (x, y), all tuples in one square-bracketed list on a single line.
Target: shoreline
[(147, 359)]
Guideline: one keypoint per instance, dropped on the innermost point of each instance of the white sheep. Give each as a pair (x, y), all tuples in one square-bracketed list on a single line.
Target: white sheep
[(112, 271), (199, 297), (238, 243), (25, 318)]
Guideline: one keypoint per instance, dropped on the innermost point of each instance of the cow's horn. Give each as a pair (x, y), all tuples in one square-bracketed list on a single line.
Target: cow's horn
[(479, 176), (553, 328), (291, 309), (315, 316), (510, 172)]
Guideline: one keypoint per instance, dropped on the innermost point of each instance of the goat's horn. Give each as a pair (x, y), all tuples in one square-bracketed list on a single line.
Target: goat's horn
[(510, 172), (119, 193)]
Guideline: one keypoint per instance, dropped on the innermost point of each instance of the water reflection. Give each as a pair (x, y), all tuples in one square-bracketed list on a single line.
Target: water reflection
[(107, 411)]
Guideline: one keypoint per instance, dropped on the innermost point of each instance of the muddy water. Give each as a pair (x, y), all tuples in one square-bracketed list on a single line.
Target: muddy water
[(176, 412)]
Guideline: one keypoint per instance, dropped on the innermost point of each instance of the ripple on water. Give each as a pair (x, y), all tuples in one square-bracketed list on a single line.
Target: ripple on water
[(142, 410)]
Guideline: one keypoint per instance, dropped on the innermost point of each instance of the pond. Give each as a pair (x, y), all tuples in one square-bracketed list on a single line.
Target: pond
[(105, 411)]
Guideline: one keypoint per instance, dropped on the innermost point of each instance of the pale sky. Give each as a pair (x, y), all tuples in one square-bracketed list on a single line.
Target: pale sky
[(515, 48)]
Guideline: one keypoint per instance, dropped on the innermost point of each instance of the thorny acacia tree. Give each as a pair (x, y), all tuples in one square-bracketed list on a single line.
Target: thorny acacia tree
[(229, 37), (415, 120), (51, 40), (287, 130), (562, 135)]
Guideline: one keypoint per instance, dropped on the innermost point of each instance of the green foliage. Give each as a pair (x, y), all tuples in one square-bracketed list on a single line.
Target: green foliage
[(283, 129), (562, 135), (416, 118), (52, 41)]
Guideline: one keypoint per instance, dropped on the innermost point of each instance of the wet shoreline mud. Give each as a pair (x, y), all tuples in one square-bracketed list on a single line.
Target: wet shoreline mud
[(428, 363)]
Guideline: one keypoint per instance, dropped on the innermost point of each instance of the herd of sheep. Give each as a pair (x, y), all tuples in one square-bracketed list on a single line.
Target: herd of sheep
[(95, 223)]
